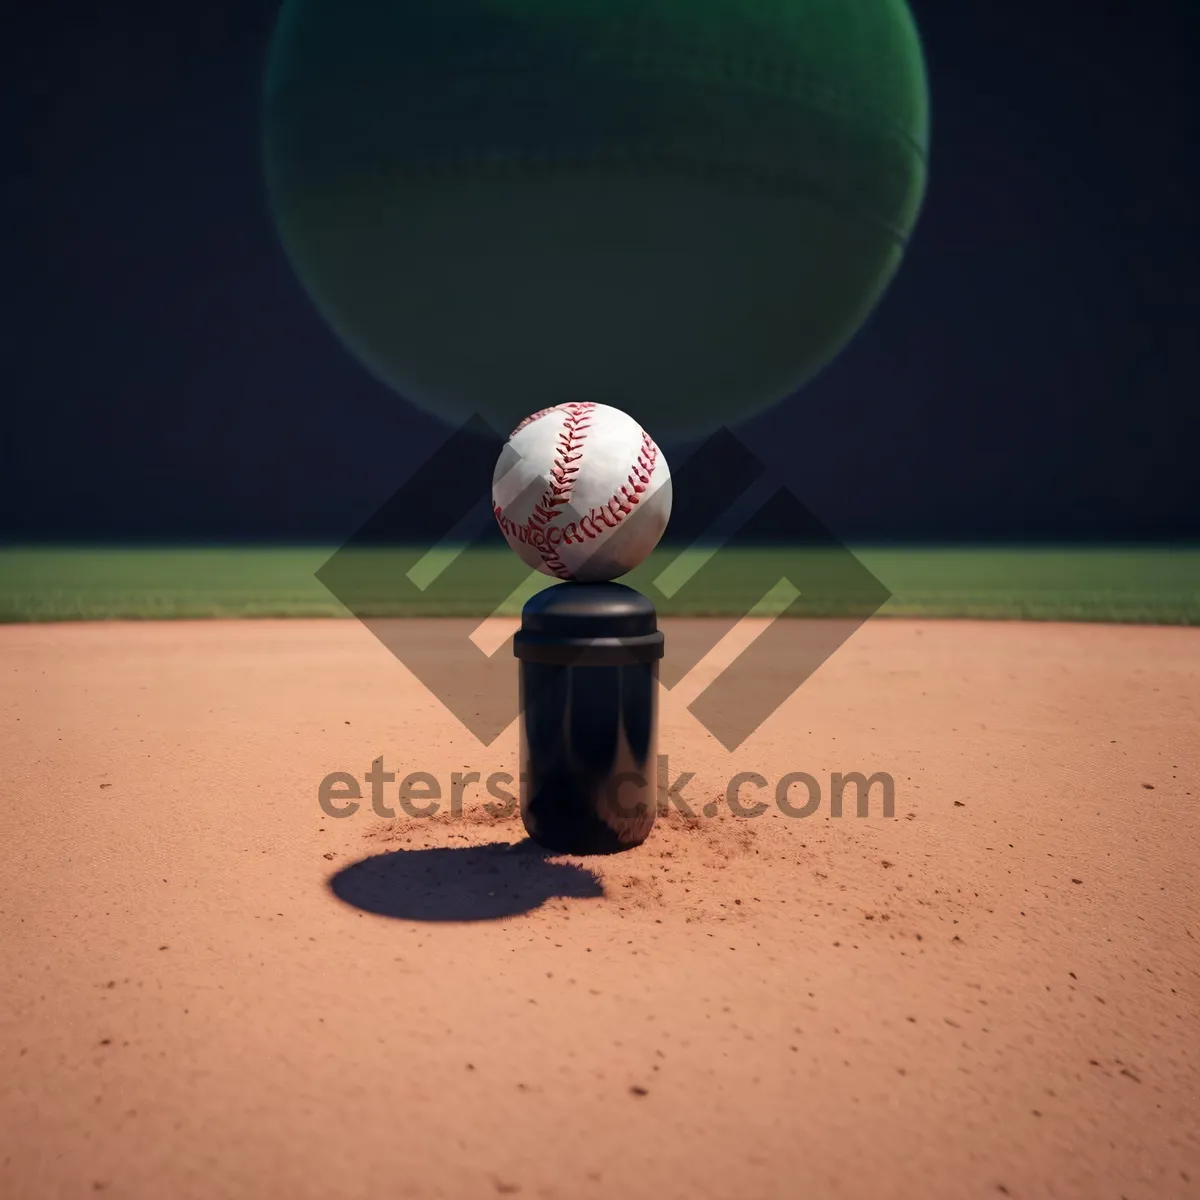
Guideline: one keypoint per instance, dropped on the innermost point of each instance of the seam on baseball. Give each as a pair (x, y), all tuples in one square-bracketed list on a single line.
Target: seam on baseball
[(562, 479), (563, 471), (529, 420)]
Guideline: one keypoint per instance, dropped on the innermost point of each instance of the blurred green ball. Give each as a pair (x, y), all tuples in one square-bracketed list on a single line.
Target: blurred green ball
[(683, 208)]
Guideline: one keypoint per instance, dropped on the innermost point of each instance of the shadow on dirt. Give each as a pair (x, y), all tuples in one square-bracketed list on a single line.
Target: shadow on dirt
[(469, 883)]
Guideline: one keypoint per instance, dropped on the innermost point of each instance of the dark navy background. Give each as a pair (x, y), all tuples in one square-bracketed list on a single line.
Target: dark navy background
[(1031, 374)]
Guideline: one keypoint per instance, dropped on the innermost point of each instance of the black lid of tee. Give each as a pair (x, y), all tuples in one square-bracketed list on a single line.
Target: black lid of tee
[(588, 613)]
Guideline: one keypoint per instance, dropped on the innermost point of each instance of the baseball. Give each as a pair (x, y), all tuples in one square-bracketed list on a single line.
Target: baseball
[(581, 492)]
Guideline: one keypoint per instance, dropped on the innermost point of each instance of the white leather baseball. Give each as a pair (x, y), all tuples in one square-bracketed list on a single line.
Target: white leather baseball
[(581, 492)]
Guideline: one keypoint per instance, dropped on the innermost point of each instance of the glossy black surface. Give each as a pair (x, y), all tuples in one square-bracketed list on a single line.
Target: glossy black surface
[(589, 690), (589, 610)]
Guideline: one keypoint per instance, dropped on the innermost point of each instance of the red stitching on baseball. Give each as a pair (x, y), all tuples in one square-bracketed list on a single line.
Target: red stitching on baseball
[(631, 491), (529, 420), (537, 530), (563, 471)]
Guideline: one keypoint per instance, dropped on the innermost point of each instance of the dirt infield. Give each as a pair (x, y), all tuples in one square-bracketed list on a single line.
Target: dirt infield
[(214, 989)]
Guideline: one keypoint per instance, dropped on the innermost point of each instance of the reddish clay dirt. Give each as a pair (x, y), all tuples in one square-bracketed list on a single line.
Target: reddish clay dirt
[(213, 989)]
